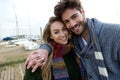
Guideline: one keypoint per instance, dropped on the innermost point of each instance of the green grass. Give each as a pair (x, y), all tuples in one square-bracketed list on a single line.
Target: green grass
[(11, 62)]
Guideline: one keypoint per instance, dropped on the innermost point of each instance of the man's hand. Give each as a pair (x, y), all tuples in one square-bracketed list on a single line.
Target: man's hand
[(37, 59)]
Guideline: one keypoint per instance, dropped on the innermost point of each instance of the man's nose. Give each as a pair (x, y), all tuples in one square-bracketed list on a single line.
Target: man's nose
[(72, 24)]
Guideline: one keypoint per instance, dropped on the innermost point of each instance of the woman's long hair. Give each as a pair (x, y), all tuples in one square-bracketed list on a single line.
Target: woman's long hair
[(46, 71)]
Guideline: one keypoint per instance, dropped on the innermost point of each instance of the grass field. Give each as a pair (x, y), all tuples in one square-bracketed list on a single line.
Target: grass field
[(12, 54), (12, 62)]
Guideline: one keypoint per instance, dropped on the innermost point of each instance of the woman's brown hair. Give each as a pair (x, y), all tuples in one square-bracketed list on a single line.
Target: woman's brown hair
[(46, 71)]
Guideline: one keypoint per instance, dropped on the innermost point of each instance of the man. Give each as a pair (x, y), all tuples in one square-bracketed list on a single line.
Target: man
[(97, 44)]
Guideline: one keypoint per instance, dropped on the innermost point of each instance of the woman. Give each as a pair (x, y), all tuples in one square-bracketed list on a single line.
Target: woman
[(62, 64)]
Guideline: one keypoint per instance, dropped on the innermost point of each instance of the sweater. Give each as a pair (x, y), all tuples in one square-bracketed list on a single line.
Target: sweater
[(109, 40), (71, 64)]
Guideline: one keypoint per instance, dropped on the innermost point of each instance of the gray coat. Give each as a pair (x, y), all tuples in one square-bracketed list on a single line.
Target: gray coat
[(109, 40)]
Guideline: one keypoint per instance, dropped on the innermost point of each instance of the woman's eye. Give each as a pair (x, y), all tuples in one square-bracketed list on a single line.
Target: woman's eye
[(55, 32), (64, 28)]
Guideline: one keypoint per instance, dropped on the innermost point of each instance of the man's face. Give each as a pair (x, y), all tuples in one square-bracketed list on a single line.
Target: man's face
[(74, 20)]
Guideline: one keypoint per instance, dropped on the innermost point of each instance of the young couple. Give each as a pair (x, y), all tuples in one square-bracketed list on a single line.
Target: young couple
[(96, 45)]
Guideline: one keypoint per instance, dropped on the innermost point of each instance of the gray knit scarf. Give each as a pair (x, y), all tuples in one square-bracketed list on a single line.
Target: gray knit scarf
[(97, 53)]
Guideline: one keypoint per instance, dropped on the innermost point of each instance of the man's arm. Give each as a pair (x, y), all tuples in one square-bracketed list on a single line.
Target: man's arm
[(38, 58), (46, 46)]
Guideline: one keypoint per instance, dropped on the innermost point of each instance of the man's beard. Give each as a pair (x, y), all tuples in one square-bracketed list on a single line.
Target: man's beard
[(82, 24)]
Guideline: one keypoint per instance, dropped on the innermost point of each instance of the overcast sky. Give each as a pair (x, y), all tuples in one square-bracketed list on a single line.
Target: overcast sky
[(33, 14), (30, 16)]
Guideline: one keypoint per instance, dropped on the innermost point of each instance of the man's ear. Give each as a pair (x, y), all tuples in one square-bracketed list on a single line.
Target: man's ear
[(82, 12)]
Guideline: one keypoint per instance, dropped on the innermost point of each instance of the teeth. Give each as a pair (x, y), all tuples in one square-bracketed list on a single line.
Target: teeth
[(63, 39)]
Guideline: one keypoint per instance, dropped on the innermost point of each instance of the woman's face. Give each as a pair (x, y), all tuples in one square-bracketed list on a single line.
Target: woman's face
[(59, 33)]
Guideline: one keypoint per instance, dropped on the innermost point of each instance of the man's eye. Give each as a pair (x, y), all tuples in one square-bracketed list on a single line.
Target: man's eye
[(73, 17), (66, 22)]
